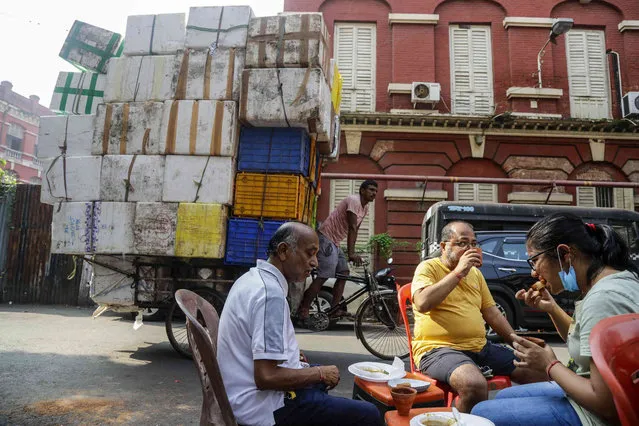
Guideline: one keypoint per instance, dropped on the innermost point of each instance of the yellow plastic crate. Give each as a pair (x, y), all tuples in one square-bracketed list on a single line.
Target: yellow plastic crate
[(271, 196), (201, 230)]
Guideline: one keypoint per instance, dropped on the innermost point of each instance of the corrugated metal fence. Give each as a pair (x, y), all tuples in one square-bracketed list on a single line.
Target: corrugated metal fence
[(31, 273)]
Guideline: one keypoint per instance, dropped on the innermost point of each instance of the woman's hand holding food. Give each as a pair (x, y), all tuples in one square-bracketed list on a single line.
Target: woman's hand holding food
[(531, 355), (538, 297)]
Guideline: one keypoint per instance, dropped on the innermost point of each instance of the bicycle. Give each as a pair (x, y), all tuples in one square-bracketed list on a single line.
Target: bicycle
[(378, 321)]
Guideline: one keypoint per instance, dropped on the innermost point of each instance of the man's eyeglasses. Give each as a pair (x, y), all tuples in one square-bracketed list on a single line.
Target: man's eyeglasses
[(531, 260), (464, 244)]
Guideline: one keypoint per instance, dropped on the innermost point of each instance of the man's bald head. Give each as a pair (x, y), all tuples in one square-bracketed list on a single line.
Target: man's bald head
[(289, 233), (452, 229)]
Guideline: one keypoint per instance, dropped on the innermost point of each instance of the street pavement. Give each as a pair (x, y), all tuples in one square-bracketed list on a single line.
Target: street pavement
[(60, 366)]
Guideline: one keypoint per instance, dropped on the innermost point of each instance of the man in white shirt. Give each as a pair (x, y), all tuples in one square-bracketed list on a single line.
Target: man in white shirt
[(258, 353)]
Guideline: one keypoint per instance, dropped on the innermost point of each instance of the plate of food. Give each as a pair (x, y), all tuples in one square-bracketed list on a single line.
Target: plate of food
[(376, 371), (418, 385), (445, 418)]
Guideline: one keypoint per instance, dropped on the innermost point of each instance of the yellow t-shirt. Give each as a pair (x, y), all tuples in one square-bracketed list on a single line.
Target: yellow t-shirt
[(457, 322)]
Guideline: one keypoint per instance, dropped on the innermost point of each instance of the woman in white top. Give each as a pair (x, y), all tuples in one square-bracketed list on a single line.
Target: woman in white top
[(567, 254)]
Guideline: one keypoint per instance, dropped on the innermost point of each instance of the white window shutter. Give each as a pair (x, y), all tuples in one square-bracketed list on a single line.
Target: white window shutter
[(476, 192), (624, 198), (356, 56), (486, 193), (586, 196), (471, 70), (588, 74), (340, 189)]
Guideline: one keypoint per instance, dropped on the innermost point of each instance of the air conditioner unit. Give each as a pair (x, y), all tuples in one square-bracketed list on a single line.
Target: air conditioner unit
[(631, 104), (424, 92)]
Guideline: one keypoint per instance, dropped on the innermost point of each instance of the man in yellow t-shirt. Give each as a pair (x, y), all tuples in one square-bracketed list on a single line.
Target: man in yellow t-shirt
[(451, 301)]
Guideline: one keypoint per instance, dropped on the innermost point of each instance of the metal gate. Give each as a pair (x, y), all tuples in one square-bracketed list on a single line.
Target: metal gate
[(31, 274)]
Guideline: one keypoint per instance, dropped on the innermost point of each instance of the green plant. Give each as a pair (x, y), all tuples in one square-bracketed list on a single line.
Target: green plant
[(7, 180), (383, 245)]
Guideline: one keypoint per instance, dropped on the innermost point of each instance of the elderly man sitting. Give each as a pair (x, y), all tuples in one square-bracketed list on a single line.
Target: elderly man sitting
[(258, 353)]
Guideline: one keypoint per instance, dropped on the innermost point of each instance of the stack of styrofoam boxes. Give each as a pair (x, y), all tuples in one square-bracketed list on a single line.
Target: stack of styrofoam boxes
[(286, 99), (89, 49), (164, 142)]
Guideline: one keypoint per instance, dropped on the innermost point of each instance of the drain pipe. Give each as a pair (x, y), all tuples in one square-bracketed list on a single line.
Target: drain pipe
[(616, 68)]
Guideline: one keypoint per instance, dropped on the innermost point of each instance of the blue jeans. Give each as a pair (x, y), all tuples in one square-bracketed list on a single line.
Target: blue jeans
[(314, 407), (536, 404)]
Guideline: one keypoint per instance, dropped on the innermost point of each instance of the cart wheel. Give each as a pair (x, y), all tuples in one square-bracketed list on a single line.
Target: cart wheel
[(176, 320)]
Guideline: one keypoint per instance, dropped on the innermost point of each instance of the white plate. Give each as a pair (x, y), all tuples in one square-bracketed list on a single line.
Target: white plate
[(393, 373), (447, 417), (418, 385)]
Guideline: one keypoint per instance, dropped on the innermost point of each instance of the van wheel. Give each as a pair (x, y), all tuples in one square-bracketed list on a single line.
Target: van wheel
[(506, 310)]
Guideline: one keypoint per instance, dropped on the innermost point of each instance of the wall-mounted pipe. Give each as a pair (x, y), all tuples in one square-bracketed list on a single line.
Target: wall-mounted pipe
[(616, 68)]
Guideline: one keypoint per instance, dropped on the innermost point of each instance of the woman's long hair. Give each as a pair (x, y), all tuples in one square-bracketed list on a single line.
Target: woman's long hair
[(600, 243)]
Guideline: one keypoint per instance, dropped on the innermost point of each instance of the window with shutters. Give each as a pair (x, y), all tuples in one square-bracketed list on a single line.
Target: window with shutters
[(477, 192), (355, 56), (620, 198), (588, 74), (340, 189), (15, 136), (471, 69)]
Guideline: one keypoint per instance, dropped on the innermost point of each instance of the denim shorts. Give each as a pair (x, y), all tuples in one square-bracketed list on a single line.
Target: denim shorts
[(441, 362)]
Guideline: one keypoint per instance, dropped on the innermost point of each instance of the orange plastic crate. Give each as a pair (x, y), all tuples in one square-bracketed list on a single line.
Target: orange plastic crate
[(273, 196)]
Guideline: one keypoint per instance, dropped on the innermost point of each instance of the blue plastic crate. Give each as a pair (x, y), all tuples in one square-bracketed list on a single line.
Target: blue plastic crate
[(266, 149), (247, 241)]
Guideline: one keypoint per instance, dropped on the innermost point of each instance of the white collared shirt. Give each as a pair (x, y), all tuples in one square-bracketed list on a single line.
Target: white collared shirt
[(255, 324)]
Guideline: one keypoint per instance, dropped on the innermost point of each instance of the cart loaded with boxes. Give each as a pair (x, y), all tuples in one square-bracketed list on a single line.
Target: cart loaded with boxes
[(180, 149)]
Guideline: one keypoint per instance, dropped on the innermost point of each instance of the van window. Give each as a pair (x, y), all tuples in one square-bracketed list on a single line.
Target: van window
[(490, 245), (515, 250), (627, 232)]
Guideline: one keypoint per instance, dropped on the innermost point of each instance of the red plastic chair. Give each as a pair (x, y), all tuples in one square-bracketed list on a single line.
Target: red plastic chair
[(614, 343), (405, 299)]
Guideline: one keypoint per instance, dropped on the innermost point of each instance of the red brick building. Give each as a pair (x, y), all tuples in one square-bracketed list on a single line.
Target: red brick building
[(492, 117), (19, 122)]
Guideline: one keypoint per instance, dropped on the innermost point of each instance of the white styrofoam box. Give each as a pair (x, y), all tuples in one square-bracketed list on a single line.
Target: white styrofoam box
[(142, 78), (215, 176), (200, 128), (305, 95), (288, 41), (154, 34), (65, 133), (113, 227), (154, 228), (109, 287), (82, 179), (128, 128), (89, 47), (211, 74), (142, 174), (224, 26), (78, 92), (71, 228)]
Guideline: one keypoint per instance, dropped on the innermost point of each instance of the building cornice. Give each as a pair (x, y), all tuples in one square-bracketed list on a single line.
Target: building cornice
[(413, 18), (499, 125), (534, 92), (628, 25), (524, 21)]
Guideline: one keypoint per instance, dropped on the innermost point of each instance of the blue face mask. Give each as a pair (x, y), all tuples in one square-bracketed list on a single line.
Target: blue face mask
[(568, 279)]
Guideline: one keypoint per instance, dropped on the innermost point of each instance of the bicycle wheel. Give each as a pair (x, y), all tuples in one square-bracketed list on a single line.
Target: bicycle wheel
[(380, 327), (175, 323)]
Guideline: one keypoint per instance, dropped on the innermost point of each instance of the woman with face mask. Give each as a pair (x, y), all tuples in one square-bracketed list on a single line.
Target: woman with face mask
[(566, 254)]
